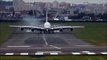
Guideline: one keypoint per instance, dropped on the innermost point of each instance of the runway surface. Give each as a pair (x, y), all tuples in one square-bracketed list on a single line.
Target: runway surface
[(59, 43)]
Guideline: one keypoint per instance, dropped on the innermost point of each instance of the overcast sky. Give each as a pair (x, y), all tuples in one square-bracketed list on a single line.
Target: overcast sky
[(70, 1)]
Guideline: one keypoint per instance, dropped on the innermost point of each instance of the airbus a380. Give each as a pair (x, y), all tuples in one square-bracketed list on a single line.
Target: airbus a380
[(46, 28)]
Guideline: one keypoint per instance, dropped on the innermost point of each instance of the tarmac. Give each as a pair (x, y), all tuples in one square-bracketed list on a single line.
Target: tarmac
[(59, 43)]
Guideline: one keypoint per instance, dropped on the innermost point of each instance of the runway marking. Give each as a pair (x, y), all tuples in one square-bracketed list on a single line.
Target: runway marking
[(55, 47), (91, 53), (76, 53), (53, 53), (44, 38), (85, 51), (18, 46), (9, 53), (88, 52), (39, 53), (104, 53), (23, 53)]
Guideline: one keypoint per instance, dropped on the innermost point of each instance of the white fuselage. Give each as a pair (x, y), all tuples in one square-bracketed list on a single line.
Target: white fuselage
[(47, 25)]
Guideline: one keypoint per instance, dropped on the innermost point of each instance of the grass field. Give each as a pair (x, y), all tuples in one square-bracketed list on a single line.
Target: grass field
[(94, 33), (54, 58), (5, 31)]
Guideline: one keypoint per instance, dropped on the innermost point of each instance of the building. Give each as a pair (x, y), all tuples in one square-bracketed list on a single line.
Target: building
[(6, 6), (18, 4), (55, 4)]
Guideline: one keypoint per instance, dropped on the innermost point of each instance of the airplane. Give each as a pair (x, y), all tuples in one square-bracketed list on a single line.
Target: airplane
[(46, 28)]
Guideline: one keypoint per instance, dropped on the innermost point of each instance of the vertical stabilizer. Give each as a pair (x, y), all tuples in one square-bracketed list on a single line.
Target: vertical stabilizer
[(46, 16)]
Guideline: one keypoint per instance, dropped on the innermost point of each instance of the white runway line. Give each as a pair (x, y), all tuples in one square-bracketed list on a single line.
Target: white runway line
[(91, 53), (44, 38), (23, 53), (53, 53), (104, 53), (39, 53), (55, 47), (18, 46), (9, 53), (88, 52), (85, 51), (76, 53)]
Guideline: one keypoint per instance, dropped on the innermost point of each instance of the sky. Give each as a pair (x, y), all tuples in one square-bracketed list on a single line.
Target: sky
[(70, 1)]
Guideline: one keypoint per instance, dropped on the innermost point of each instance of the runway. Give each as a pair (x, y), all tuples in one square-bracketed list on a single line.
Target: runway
[(59, 43)]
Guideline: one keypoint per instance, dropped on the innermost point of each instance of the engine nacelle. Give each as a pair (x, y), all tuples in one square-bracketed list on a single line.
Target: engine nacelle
[(61, 30), (22, 29), (32, 30), (71, 29)]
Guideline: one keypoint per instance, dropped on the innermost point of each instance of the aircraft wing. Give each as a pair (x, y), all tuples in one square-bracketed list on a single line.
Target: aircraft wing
[(40, 28), (27, 27), (67, 27)]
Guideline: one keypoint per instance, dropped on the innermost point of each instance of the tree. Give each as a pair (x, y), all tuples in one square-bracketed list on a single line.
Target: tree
[(30, 12)]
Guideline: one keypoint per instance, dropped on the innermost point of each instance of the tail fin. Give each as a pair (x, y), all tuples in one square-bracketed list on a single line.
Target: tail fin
[(46, 16)]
